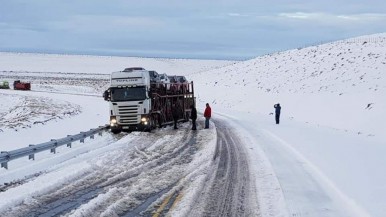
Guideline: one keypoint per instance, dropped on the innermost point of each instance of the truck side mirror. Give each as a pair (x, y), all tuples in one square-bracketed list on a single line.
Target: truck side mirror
[(106, 95)]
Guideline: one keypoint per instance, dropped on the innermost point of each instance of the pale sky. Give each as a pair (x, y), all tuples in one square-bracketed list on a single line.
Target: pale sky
[(204, 29)]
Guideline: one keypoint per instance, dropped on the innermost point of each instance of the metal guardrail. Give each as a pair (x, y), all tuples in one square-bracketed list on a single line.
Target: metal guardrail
[(6, 156)]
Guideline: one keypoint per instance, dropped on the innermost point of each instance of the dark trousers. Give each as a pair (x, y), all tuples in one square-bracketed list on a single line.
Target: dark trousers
[(207, 123), (277, 118), (194, 124), (175, 123)]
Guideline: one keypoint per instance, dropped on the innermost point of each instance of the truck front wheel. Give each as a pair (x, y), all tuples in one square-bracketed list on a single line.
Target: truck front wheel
[(116, 130)]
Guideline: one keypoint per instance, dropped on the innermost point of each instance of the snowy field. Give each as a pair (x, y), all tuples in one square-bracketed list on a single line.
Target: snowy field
[(326, 158)]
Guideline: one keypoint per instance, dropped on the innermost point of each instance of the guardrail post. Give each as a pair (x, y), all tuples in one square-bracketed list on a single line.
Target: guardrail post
[(31, 156), (69, 144), (82, 139), (53, 150), (4, 164)]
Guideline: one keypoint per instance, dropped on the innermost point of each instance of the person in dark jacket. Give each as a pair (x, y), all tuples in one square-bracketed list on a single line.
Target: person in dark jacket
[(207, 115), (277, 112), (175, 115), (193, 116)]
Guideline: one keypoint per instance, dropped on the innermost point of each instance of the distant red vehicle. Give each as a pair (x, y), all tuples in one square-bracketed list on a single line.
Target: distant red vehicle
[(17, 85)]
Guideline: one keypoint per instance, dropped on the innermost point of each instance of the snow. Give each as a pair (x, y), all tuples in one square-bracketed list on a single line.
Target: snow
[(326, 158), (19, 62), (333, 121), (49, 115), (278, 146)]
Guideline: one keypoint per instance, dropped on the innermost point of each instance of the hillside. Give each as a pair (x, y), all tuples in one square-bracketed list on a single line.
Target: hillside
[(340, 84)]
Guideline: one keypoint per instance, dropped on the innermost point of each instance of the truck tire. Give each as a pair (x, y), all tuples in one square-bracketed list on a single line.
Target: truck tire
[(157, 121), (116, 130)]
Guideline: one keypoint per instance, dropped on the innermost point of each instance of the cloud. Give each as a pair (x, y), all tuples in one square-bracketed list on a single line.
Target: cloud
[(104, 23), (238, 15), (331, 17), (298, 15), (365, 17)]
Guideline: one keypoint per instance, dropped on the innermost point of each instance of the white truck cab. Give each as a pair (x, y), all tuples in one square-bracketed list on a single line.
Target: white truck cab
[(129, 100)]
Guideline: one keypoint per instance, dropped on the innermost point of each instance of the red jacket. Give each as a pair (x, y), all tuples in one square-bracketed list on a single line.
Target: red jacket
[(208, 112)]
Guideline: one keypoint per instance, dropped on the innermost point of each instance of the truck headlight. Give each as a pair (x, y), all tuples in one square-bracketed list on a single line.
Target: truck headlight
[(145, 120), (113, 121)]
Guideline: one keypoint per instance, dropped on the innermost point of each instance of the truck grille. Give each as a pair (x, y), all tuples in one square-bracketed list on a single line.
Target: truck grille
[(129, 114)]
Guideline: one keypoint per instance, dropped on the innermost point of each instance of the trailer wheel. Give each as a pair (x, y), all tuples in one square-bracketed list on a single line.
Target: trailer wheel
[(186, 116), (153, 124), (157, 120)]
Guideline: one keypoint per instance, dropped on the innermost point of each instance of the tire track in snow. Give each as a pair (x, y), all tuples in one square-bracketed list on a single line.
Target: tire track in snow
[(230, 190)]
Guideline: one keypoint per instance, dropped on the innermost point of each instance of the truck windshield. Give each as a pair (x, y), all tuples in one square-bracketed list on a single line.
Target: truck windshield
[(128, 94)]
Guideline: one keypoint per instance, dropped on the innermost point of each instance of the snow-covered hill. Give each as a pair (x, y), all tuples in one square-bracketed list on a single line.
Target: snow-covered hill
[(340, 85)]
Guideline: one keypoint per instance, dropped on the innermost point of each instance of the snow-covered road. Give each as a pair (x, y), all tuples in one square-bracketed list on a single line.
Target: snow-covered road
[(229, 191), (134, 175), (114, 179)]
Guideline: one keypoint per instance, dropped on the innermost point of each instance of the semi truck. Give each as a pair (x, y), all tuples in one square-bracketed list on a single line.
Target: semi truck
[(139, 100)]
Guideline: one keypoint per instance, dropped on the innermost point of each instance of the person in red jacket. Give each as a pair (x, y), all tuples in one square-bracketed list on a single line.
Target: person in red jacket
[(207, 115)]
